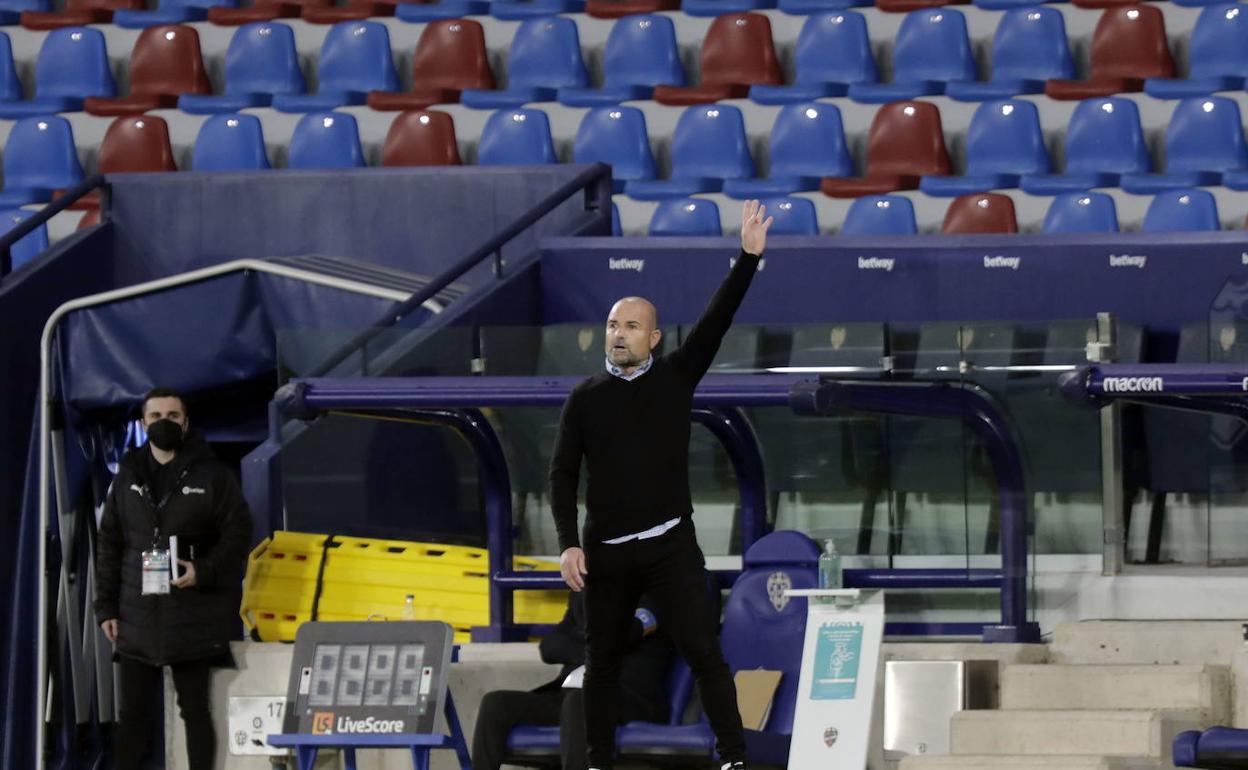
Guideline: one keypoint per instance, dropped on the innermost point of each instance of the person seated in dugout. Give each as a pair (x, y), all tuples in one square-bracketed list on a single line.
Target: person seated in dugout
[(561, 702)]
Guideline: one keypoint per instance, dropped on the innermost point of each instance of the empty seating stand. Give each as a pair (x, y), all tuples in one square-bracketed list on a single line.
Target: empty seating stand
[(905, 142), (807, 143), (1029, 48), (1104, 140), (980, 213), (39, 158), (78, 13), (324, 140), (932, 50), (685, 216), (1128, 46), (133, 144), (709, 145), (260, 63), (450, 57), (616, 136), (166, 62), (1003, 143), (738, 52), (72, 66), (1218, 56), (1181, 211), (516, 138), (1081, 212), (355, 59), (421, 138), (833, 52), (641, 54), (1203, 140), (545, 55), (230, 143), (880, 215)]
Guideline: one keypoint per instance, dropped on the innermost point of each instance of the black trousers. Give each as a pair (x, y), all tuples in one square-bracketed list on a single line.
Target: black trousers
[(137, 682), (669, 568)]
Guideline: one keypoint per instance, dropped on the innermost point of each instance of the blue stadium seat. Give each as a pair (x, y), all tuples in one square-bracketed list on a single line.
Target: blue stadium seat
[(807, 143), (169, 12), (260, 62), (355, 59), (1218, 56), (11, 10), (880, 215), (1028, 48), (516, 138), (616, 136), (709, 145), (72, 65), (1205, 138), (230, 143), (326, 140), (1004, 142), (932, 49), (794, 216), (686, 216), (720, 7), (518, 10), (805, 7), (1081, 212), (641, 53), (545, 56), (39, 158), (30, 246), (10, 86), (832, 52), (616, 228), (1104, 140), (1181, 211), (420, 13)]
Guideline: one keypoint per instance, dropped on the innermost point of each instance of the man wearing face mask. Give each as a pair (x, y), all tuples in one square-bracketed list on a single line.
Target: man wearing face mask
[(161, 608)]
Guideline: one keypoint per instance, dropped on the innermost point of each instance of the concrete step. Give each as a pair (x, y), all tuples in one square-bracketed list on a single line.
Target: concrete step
[(1147, 642), (1203, 690), (1088, 733), (1019, 762)]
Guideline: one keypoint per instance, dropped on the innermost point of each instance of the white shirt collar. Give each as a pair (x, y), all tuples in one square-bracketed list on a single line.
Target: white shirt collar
[(618, 372)]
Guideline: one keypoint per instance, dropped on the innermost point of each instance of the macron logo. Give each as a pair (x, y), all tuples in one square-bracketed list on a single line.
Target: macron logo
[(625, 264), (1133, 385), (1010, 263), (1127, 260), (875, 263)]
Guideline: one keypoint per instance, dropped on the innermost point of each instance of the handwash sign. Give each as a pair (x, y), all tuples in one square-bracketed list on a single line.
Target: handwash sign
[(837, 652)]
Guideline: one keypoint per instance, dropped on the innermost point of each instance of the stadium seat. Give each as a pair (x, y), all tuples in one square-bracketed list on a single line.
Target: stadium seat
[(641, 53), (72, 65), (517, 10), (617, 229), (737, 52), (616, 9), (1006, 5), (545, 56), (29, 246), (1081, 212), (794, 216), (1104, 140), (807, 142), (833, 51), (1181, 211), (1004, 142), (39, 158), (931, 50), (720, 7), (686, 216), (133, 144), (169, 12), (1204, 139), (420, 13), (261, 10), (450, 57), (78, 13), (11, 10), (421, 139), (805, 7), (326, 140), (709, 145), (906, 6), (905, 142), (229, 143), (1128, 46), (355, 59), (353, 10), (10, 86), (165, 63), (89, 219), (261, 61), (616, 136), (1218, 59), (980, 213), (1028, 48), (516, 138), (880, 215)]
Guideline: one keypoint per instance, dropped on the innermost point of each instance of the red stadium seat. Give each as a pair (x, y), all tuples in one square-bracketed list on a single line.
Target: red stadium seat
[(906, 141), (421, 138), (980, 213), (133, 144), (450, 57), (79, 13), (905, 6), (1128, 45), (614, 9), (263, 10), (166, 62), (352, 11), (89, 219), (737, 53)]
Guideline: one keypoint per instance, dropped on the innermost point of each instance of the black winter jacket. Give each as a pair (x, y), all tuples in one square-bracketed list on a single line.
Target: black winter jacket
[(206, 510)]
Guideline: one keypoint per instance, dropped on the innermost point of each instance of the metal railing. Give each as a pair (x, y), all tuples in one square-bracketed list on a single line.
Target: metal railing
[(40, 218)]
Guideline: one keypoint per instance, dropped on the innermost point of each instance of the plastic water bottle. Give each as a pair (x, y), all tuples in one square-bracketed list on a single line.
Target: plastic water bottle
[(829, 566), (409, 607)]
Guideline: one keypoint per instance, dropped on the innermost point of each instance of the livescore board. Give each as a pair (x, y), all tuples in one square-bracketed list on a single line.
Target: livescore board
[(367, 678)]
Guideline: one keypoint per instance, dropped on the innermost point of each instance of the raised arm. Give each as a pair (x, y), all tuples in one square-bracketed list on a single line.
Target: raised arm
[(699, 349)]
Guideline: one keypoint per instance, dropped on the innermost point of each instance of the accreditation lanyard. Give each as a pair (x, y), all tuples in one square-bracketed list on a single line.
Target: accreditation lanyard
[(157, 563)]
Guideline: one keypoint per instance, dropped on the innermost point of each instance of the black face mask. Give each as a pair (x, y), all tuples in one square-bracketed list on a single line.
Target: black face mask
[(166, 435)]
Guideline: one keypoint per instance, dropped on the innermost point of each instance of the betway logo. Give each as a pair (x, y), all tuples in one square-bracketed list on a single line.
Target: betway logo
[(625, 264), (369, 725), (1127, 260), (1002, 262), (1133, 385), (875, 263)]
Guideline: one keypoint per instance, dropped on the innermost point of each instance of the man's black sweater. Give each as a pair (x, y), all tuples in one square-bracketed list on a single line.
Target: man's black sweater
[(634, 434)]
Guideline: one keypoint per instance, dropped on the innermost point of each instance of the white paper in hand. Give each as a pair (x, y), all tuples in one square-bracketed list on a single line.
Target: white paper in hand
[(175, 569), (575, 678)]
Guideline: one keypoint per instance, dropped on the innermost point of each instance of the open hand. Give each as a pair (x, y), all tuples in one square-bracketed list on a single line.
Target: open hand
[(572, 567), (754, 227)]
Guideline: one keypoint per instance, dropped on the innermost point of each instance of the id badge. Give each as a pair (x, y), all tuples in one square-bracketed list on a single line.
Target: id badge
[(156, 572)]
